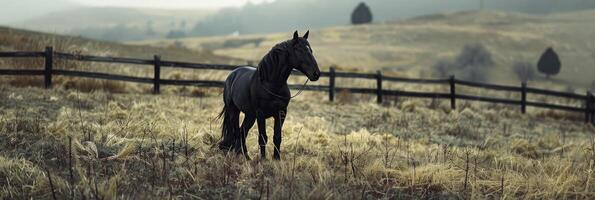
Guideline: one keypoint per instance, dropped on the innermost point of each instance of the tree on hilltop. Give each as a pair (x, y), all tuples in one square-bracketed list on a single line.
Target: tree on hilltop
[(361, 15), (549, 63)]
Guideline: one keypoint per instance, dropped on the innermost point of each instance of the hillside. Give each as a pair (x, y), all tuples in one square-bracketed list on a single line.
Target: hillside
[(291, 14), (20, 10), (21, 40), (115, 23), (411, 47)]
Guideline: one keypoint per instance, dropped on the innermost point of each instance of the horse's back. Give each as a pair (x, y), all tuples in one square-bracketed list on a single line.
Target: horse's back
[(237, 88)]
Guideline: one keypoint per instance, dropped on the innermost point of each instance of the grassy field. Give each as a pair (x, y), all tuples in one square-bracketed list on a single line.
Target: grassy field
[(127, 144), (411, 47), (144, 146)]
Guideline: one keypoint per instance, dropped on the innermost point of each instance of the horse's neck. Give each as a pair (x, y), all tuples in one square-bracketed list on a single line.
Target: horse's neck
[(274, 69)]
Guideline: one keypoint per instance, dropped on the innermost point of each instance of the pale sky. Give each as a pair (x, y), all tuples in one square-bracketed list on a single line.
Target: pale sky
[(177, 4)]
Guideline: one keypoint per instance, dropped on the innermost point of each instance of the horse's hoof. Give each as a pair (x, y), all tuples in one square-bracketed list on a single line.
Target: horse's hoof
[(224, 147), (277, 157)]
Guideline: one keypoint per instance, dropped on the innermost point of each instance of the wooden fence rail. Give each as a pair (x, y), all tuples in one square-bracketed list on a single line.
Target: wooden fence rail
[(49, 56)]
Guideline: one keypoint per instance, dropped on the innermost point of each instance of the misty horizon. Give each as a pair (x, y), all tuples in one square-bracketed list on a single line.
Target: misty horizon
[(179, 4)]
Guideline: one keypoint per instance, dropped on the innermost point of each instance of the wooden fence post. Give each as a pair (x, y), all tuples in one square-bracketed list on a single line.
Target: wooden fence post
[(157, 71), (378, 86), (331, 85), (524, 97), (588, 107), (49, 62), (592, 104), (453, 97)]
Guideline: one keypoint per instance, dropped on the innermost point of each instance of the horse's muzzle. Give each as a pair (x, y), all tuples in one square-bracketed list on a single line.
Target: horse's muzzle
[(315, 76)]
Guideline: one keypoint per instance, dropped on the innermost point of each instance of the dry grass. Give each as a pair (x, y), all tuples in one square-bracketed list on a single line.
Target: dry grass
[(157, 147)]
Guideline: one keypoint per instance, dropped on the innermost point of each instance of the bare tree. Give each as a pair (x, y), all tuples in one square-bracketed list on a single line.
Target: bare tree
[(525, 71), (474, 55), (470, 64)]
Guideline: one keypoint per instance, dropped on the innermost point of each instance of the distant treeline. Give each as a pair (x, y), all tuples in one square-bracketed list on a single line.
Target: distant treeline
[(283, 15)]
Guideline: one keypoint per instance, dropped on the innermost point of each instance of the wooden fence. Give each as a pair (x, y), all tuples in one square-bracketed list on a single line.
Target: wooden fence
[(49, 55)]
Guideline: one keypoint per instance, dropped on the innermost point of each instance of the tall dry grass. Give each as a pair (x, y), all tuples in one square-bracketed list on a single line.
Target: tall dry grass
[(157, 147)]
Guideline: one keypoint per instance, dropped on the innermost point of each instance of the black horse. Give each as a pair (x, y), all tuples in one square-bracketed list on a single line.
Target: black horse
[(262, 92)]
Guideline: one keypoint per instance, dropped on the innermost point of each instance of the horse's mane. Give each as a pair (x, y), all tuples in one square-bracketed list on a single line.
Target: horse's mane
[(271, 61), (282, 46)]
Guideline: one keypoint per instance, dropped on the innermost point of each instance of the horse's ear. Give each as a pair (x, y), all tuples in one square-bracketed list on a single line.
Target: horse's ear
[(295, 36), (306, 35)]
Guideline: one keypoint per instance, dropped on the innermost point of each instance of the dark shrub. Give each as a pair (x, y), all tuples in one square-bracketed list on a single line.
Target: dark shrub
[(469, 65), (472, 60), (361, 14), (549, 63), (524, 71), (474, 55)]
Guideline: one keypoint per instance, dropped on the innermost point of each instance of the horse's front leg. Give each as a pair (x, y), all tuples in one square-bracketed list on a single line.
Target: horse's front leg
[(279, 119), (262, 133)]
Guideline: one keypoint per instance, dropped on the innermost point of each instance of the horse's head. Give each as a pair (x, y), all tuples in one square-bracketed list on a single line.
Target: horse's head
[(301, 57)]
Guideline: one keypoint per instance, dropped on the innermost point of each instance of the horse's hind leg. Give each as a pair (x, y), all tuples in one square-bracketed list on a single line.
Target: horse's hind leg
[(230, 128), (246, 126)]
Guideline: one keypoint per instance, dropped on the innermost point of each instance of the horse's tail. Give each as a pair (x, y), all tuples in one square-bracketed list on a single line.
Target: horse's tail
[(229, 135)]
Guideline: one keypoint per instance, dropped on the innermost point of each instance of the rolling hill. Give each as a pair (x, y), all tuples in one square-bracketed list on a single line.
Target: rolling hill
[(115, 23), (12, 39), (302, 14), (20, 10), (412, 46), (21, 40)]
